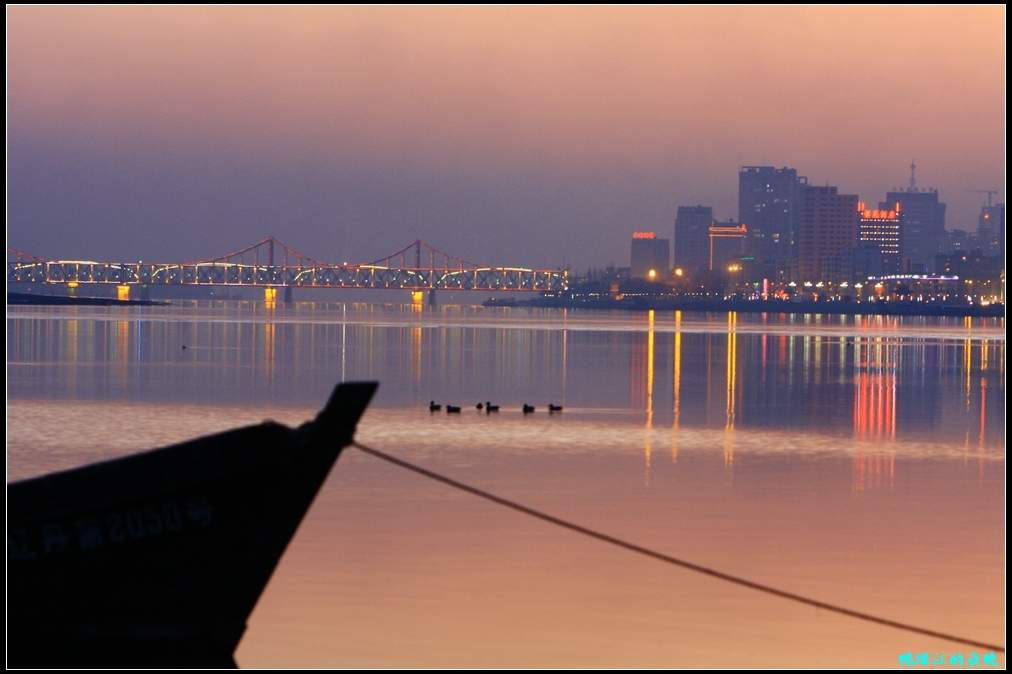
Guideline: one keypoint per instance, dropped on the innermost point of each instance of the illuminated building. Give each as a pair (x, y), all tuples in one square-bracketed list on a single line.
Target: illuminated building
[(991, 229), (650, 257), (882, 229), (692, 244), (828, 228), (923, 224), (769, 201), (727, 243), (973, 265), (958, 241)]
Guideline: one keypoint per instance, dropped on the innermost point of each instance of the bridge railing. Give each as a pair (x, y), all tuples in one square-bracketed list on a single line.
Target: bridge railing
[(319, 276), (271, 263)]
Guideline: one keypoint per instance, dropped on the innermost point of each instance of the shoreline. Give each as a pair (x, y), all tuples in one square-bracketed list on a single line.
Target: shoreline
[(23, 299), (760, 306)]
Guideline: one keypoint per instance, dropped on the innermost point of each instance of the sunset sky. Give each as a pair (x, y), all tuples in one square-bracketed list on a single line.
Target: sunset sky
[(506, 135)]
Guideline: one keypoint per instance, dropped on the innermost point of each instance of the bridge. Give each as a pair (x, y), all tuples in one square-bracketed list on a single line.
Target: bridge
[(272, 264)]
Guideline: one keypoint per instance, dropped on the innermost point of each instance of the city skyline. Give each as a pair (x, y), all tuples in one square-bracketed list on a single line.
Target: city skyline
[(179, 131)]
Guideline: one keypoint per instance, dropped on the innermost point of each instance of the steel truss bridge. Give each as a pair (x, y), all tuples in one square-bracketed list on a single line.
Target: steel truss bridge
[(271, 263)]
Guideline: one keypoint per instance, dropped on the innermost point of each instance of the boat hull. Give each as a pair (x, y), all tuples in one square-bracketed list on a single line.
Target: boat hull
[(157, 559)]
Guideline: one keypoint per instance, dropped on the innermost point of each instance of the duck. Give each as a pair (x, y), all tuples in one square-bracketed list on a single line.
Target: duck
[(554, 408), (452, 409), (433, 407), (489, 408), (528, 408), (478, 407)]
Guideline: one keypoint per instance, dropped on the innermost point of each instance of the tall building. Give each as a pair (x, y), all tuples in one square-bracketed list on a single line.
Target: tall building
[(991, 229), (692, 238), (881, 230), (827, 229), (958, 241), (923, 224), (650, 257), (727, 243), (769, 205)]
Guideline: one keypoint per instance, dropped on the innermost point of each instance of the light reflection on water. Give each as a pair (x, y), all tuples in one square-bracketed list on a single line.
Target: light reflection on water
[(731, 374), (859, 459)]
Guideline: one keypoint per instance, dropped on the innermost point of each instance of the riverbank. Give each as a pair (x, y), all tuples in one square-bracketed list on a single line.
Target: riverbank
[(758, 306), (57, 300)]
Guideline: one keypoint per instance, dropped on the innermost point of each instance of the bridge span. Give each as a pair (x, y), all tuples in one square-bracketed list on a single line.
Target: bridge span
[(272, 264)]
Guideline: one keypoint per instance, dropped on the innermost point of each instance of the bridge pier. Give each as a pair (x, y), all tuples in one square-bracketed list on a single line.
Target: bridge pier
[(432, 297), (289, 295), (145, 292)]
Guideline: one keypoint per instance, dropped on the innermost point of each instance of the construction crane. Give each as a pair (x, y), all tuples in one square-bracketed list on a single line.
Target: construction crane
[(988, 193)]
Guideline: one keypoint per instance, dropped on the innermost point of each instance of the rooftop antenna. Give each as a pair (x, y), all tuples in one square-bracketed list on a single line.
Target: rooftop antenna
[(913, 176)]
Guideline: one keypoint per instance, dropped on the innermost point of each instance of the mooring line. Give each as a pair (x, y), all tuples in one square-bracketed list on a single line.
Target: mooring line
[(860, 615)]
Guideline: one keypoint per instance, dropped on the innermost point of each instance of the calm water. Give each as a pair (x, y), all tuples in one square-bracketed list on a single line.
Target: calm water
[(856, 459)]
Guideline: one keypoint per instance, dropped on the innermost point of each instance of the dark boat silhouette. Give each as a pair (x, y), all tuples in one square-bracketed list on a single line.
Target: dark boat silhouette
[(157, 559)]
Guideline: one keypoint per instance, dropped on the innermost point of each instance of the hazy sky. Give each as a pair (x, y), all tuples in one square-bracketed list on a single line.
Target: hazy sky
[(508, 135)]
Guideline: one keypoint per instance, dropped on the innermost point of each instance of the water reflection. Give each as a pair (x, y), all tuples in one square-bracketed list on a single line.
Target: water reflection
[(732, 366), (880, 380), (868, 440), (676, 387)]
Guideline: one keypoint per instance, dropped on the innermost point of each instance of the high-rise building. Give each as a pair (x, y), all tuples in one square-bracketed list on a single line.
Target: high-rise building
[(692, 238), (769, 201), (991, 229), (882, 229), (650, 257), (727, 243), (923, 224), (958, 241), (827, 228)]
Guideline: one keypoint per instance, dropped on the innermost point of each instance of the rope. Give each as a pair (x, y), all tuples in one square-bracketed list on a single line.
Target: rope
[(860, 615)]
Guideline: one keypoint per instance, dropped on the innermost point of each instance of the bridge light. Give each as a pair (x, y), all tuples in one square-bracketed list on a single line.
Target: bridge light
[(652, 274), (72, 285), (679, 272)]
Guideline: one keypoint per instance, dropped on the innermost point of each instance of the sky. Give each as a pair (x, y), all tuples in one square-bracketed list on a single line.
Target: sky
[(538, 136)]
